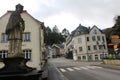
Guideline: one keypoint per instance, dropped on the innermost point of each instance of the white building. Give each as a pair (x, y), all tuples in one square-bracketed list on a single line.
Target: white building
[(33, 39), (89, 44)]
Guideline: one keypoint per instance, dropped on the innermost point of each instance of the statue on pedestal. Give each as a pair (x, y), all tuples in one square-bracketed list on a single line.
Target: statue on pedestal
[(15, 62), (14, 30), (15, 65)]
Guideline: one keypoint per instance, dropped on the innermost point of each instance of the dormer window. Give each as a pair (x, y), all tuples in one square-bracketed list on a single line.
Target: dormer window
[(95, 31)]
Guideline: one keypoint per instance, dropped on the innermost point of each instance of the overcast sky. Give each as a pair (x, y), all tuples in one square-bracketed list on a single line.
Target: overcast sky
[(68, 13)]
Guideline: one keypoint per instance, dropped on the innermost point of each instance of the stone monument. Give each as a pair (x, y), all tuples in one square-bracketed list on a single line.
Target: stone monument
[(15, 64), (14, 30)]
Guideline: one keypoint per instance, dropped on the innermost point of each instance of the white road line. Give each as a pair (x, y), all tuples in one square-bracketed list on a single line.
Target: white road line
[(84, 68), (76, 68), (69, 69), (62, 70), (91, 67)]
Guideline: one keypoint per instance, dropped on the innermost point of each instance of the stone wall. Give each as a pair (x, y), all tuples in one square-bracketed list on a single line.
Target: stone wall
[(111, 61)]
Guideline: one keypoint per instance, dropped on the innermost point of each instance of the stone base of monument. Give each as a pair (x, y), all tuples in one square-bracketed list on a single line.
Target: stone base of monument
[(16, 69)]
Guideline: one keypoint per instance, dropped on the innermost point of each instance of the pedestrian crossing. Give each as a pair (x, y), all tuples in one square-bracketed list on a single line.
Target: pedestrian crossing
[(78, 68)]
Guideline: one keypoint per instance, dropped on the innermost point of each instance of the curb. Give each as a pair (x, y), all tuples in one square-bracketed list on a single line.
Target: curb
[(54, 73)]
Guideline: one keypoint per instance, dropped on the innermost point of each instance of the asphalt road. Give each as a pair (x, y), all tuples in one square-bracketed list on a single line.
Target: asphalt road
[(73, 70), (85, 73)]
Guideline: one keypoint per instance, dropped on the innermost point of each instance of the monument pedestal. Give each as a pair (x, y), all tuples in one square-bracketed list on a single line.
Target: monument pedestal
[(33, 75), (16, 69)]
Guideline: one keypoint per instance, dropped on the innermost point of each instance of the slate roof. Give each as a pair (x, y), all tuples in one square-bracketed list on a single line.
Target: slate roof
[(80, 30)]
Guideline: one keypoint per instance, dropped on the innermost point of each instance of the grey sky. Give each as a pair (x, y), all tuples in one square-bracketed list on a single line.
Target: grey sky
[(69, 13)]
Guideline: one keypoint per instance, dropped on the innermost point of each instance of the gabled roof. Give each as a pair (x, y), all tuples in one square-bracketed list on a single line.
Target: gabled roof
[(80, 30), (96, 27), (39, 22)]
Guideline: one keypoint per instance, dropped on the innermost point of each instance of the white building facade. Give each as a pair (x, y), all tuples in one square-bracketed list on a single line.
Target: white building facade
[(33, 39), (89, 44)]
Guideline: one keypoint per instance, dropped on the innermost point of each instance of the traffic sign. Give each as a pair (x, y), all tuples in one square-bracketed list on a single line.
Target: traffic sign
[(115, 40), (114, 37)]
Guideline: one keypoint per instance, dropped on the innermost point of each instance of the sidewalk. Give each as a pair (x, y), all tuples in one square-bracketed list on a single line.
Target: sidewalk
[(54, 73), (51, 71)]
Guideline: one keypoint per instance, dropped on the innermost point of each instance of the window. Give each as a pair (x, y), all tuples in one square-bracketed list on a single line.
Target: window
[(104, 46), (93, 38), (106, 55), (84, 57), (79, 40), (80, 49), (3, 54), (26, 36), (100, 47), (27, 53), (79, 57), (88, 39), (89, 48), (98, 38), (101, 56), (95, 31), (103, 38), (96, 57), (94, 47), (89, 57), (4, 37)]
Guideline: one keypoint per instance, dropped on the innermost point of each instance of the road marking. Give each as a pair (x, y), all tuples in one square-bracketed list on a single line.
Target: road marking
[(91, 67), (84, 68), (69, 69), (76, 68), (63, 70)]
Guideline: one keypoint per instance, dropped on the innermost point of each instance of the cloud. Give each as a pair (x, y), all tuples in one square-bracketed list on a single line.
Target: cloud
[(30, 5), (62, 21), (56, 12), (92, 12)]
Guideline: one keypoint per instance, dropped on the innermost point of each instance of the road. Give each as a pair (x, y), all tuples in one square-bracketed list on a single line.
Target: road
[(76, 70)]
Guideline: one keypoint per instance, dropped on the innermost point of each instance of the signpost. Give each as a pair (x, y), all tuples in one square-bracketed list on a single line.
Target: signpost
[(115, 39)]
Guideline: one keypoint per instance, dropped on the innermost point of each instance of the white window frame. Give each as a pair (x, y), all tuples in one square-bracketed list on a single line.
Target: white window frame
[(95, 47), (98, 38), (103, 38), (88, 38), (26, 36), (96, 57), (80, 49), (93, 38), (89, 48), (79, 40), (4, 37), (27, 53), (3, 53)]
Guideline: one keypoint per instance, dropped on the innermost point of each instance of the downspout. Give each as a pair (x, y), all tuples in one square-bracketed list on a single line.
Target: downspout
[(40, 48), (87, 48)]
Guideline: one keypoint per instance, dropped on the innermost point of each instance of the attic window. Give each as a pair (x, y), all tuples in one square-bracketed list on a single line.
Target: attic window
[(95, 31)]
